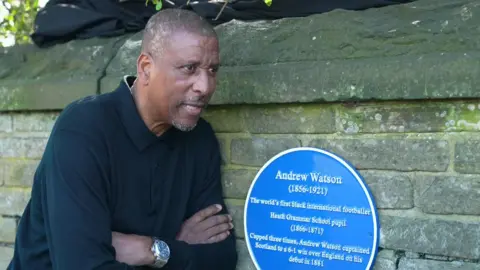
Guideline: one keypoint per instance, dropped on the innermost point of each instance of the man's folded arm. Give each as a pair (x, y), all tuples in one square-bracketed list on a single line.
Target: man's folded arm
[(76, 203), (220, 255)]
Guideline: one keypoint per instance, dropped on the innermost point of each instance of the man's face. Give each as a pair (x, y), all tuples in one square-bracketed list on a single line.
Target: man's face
[(183, 79)]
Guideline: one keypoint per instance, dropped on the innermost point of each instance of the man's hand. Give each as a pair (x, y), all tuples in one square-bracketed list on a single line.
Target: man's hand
[(133, 249), (205, 227)]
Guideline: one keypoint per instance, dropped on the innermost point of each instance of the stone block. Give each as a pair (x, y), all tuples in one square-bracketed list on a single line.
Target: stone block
[(235, 208), (412, 255), (256, 151), (6, 255), (8, 227), (433, 235), (410, 29), (390, 190), (224, 150), (5, 122), (244, 260), (394, 118), (409, 77), (225, 120), (236, 182), (408, 264), (13, 200), (22, 147), (466, 117), (124, 62), (390, 153), (417, 55), (384, 264), (456, 194), (467, 156), (42, 79), (19, 172), (34, 122), (386, 260), (290, 119)]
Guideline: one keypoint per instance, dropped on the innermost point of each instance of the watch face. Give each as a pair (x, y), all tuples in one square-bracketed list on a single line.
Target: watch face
[(162, 250)]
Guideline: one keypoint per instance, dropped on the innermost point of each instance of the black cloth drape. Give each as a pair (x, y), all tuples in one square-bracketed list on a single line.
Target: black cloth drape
[(63, 20)]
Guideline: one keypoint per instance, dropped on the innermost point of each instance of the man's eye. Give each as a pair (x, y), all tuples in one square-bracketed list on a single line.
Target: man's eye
[(189, 68)]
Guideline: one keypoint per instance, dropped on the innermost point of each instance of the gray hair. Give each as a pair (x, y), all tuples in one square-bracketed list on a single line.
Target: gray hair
[(166, 22)]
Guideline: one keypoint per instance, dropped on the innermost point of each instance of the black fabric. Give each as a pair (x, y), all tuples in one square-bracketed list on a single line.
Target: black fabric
[(63, 20), (103, 170)]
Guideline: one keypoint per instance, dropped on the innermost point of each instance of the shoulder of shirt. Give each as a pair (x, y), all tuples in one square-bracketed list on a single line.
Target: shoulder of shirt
[(89, 113)]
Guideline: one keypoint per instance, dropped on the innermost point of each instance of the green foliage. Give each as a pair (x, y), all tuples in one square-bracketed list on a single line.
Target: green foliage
[(19, 20), (157, 3)]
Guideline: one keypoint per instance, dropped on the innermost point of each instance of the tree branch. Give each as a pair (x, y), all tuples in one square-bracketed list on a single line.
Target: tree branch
[(221, 10)]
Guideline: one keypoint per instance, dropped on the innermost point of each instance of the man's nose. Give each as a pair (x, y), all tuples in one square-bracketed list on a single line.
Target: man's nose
[(202, 83)]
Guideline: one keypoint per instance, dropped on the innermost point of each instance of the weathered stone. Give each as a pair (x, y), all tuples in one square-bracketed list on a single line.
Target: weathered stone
[(412, 255), (384, 264), (256, 151), (448, 194), (38, 78), (33, 122), (8, 228), (18, 172), (466, 117), (291, 119), (390, 190), (386, 260), (430, 235), (244, 260), (390, 153), (408, 264), (395, 119), (5, 123), (411, 29), (224, 150), (435, 257), (28, 147), (6, 254), (467, 156), (236, 182), (13, 200), (376, 58), (225, 120), (433, 76), (235, 208), (124, 63)]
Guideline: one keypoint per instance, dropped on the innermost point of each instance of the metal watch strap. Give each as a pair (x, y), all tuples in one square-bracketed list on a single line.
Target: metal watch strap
[(161, 252)]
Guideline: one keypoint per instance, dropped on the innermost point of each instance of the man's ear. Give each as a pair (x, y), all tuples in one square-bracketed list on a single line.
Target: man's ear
[(144, 67)]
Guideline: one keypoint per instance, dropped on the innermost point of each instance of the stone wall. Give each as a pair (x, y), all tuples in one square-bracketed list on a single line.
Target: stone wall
[(395, 91)]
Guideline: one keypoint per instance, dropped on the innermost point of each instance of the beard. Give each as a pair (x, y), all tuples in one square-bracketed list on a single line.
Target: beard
[(183, 127), (189, 127)]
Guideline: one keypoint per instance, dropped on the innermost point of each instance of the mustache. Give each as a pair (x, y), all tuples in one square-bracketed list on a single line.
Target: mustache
[(201, 102)]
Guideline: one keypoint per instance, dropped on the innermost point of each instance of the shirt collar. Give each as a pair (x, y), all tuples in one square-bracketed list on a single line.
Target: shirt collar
[(136, 129)]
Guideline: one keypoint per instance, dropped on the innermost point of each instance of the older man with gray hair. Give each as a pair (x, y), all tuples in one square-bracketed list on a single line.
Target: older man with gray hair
[(131, 179)]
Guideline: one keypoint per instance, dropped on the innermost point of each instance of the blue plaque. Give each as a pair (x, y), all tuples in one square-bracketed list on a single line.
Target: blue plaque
[(309, 209)]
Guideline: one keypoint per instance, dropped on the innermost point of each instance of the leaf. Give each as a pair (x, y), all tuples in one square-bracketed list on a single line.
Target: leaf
[(159, 5), (268, 2)]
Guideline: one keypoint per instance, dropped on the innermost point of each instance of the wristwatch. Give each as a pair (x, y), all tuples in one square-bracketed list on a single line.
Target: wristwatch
[(161, 252)]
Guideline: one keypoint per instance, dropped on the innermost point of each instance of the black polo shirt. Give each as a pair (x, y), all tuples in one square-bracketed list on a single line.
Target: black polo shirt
[(103, 170)]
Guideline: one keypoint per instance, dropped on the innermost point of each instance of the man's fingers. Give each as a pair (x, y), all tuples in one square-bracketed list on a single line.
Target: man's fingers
[(218, 229), (212, 222), (218, 238), (203, 214)]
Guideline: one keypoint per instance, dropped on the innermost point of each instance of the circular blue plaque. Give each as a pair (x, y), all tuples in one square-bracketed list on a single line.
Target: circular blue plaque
[(309, 209)]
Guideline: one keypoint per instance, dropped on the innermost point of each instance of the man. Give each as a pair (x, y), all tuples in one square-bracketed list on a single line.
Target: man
[(131, 179)]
